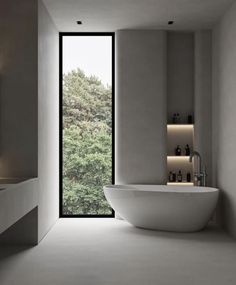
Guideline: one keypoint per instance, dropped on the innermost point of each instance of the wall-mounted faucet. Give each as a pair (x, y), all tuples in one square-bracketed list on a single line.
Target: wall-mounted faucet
[(200, 175)]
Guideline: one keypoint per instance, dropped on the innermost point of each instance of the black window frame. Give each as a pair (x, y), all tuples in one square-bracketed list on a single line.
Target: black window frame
[(61, 35)]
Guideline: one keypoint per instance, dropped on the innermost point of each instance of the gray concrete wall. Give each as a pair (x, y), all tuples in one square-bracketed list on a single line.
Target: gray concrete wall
[(18, 88), (203, 99), (140, 107), (180, 74), (48, 121), (29, 102), (224, 115)]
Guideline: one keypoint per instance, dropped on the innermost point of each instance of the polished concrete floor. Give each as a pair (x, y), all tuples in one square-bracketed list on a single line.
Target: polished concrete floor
[(111, 252)]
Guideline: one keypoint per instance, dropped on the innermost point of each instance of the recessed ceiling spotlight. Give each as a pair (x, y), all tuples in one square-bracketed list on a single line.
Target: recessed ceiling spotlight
[(170, 22), (79, 22)]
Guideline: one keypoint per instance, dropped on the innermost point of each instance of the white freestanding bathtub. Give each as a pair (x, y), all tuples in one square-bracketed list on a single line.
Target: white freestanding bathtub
[(160, 207)]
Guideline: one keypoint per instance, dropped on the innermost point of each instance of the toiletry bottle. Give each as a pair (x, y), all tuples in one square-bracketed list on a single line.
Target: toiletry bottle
[(174, 119), (188, 177), (170, 176), (190, 119), (178, 150), (174, 176), (179, 176), (187, 150), (178, 118)]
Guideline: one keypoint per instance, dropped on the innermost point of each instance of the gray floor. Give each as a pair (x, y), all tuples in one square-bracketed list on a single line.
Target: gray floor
[(111, 252)]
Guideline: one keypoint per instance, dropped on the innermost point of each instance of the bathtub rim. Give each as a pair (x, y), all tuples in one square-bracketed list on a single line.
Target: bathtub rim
[(165, 188)]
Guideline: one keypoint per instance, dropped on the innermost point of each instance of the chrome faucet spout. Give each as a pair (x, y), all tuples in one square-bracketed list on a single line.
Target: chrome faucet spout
[(194, 153), (199, 160), (199, 175)]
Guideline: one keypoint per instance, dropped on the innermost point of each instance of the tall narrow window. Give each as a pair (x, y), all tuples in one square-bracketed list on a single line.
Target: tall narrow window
[(86, 123)]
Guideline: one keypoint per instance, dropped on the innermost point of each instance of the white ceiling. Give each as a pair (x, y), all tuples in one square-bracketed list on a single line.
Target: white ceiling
[(112, 15)]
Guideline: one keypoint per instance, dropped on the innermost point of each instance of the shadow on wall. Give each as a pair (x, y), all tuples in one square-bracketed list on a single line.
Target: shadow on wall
[(226, 209), (23, 233), (16, 242)]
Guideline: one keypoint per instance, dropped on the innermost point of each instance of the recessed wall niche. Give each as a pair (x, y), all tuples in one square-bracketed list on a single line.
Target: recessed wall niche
[(180, 104)]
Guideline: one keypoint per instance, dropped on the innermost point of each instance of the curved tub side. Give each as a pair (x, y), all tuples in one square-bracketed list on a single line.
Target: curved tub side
[(169, 211)]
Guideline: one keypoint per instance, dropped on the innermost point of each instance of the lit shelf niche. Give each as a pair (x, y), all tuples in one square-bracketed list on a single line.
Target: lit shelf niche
[(179, 134)]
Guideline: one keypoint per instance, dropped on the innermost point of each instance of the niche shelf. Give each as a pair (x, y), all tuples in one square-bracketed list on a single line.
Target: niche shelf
[(180, 183), (178, 157), (179, 134)]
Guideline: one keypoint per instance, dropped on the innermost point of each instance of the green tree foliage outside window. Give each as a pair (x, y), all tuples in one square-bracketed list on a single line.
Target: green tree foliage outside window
[(87, 144)]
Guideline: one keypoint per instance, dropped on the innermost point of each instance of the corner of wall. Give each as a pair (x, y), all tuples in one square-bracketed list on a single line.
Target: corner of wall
[(224, 116), (48, 120)]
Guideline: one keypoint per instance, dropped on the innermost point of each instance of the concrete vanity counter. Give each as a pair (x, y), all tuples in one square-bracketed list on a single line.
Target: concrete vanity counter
[(17, 198), (8, 182)]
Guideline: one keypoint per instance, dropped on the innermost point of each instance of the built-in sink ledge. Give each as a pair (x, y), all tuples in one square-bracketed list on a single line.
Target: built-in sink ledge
[(18, 197), (6, 182)]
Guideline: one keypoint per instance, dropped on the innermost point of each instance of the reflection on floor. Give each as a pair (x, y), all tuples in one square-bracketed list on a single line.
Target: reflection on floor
[(111, 252)]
